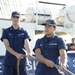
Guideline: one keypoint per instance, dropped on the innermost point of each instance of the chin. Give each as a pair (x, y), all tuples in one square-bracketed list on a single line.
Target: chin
[(47, 33), (16, 24)]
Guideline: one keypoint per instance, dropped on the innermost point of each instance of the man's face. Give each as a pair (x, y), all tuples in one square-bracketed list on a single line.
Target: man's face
[(49, 29), (73, 40), (15, 20)]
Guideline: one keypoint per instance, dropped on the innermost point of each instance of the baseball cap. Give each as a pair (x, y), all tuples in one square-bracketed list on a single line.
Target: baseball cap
[(50, 22), (16, 13)]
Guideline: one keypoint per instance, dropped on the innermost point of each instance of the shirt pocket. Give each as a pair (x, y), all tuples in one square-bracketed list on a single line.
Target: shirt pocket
[(11, 38), (52, 46), (52, 49), (20, 39)]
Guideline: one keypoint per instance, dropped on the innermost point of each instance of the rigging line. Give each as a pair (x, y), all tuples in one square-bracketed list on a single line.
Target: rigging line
[(2, 9), (20, 6), (9, 6), (14, 4), (5, 13)]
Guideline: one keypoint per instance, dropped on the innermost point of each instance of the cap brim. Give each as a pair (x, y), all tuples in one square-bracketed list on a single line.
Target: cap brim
[(48, 24), (45, 24), (16, 15)]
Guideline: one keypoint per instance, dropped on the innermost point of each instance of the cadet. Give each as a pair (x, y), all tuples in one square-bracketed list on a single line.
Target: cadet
[(14, 39), (48, 49), (71, 46)]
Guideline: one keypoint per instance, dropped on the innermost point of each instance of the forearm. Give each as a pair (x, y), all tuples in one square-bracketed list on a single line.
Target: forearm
[(11, 51), (63, 57), (41, 58), (27, 46), (63, 60), (28, 50), (8, 48)]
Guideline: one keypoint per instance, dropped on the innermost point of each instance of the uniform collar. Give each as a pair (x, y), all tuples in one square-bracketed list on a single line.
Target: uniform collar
[(47, 39), (12, 29)]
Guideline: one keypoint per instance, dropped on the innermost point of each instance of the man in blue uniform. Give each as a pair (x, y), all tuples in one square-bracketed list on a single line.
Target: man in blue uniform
[(48, 49), (14, 39)]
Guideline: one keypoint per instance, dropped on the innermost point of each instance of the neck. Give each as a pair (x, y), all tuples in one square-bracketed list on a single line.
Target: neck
[(49, 35), (15, 27)]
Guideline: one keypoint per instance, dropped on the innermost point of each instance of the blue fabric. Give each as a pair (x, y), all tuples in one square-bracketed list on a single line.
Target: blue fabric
[(16, 40), (13, 71), (43, 70), (50, 49)]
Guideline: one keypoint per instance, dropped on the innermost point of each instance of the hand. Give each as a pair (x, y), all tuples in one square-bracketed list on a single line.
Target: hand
[(61, 68), (19, 56), (29, 56), (49, 63)]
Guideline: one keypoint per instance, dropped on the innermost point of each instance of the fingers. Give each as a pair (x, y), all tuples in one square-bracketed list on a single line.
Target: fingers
[(30, 57), (19, 56), (52, 64), (49, 63), (61, 68)]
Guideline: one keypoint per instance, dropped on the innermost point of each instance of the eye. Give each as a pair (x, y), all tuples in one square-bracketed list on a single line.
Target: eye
[(17, 17)]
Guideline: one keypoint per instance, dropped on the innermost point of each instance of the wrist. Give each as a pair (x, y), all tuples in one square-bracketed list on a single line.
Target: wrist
[(45, 61), (64, 65), (15, 54)]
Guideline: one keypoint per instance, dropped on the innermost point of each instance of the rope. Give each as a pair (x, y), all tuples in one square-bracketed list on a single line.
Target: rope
[(57, 66), (18, 70), (66, 70)]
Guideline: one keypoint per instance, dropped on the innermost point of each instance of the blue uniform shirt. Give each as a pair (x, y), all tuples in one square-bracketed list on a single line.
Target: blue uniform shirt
[(50, 49), (16, 40)]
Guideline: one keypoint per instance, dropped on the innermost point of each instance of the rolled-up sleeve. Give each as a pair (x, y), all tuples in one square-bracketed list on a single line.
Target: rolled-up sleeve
[(61, 44), (37, 45), (4, 35)]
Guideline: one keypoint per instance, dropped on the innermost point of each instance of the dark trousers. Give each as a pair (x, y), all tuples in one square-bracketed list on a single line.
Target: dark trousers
[(9, 70)]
